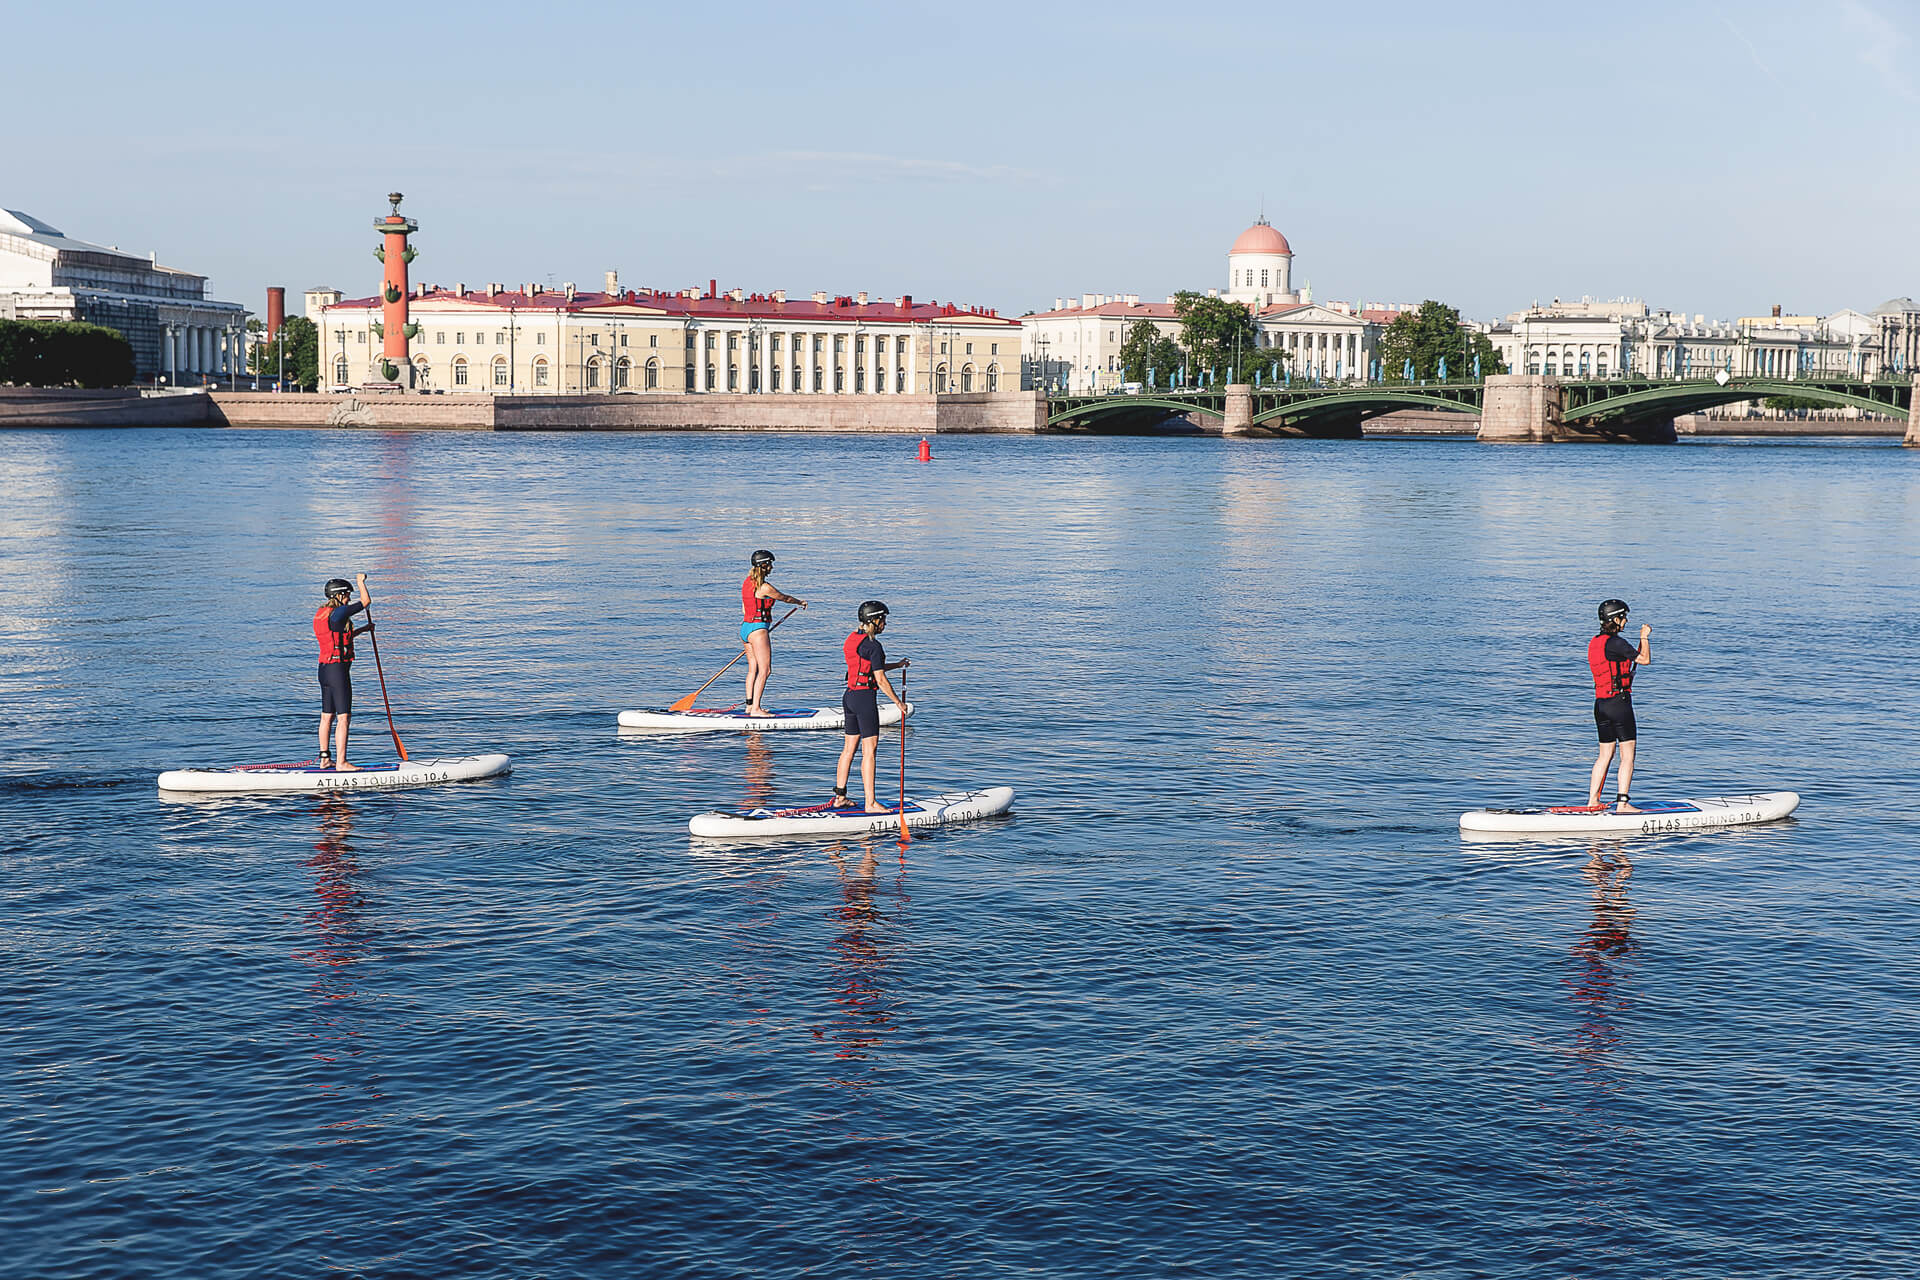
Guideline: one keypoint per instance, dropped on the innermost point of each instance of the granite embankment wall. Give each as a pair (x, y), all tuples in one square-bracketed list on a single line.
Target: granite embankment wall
[(1699, 424), (121, 407)]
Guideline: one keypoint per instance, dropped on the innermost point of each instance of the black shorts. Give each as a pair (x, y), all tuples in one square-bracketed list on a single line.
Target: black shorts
[(336, 689), (863, 712), (1614, 718)]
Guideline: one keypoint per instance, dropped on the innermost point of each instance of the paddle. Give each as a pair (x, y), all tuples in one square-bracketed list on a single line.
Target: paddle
[(689, 700), (904, 837), (375, 642)]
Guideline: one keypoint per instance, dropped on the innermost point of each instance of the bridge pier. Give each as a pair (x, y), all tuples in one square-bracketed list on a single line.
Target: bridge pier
[(1912, 438), (1520, 408), (1239, 418)]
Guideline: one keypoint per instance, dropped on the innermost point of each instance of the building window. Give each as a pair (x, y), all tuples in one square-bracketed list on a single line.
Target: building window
[(593, 339), (966, 377), (900, 380), (623, 374), (439, 337), (733, 376), (993, 377), (1263, 278), (940, 380), (593, 374), (712, 373), (859, 380), (499, 339), (540, 371), (690, 384), (819, 378), (773, 373), (969, 348), (653, 339), (340, 369), (839, 379), (499, 371), (710, 343), (460, 339), (653, 375), (539, 339), (459, 371), (363, 337), (689, 339), (623, 339), (994, 350)]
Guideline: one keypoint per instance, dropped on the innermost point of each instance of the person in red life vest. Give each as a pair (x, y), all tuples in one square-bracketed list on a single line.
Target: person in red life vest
[(333, 628), (867, 666), (756, 631), (1612, 659)]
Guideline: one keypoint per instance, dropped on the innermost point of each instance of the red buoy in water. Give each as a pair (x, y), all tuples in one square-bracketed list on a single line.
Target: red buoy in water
[(926, 452)]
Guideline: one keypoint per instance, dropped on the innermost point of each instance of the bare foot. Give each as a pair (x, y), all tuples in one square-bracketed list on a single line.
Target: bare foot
[(877, 808), (757, 711), (1624, 807), (344, 767)]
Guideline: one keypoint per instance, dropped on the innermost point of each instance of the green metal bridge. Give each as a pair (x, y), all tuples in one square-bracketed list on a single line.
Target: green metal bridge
[(1636, 408)]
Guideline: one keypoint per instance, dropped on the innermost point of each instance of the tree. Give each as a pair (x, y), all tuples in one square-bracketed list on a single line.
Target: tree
[(299, 338), (60, 354), (1427, 336), (1147, 349), (1216, 332)]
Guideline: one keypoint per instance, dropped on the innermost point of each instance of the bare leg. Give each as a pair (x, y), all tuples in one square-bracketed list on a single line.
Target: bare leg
[(1626, 773), (759, 667), (1599, 782), (326, 732), (846, 766), (866, 772), (340, 723)]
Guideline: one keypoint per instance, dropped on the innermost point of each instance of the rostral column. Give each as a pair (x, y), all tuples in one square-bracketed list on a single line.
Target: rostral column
[(395, 369)]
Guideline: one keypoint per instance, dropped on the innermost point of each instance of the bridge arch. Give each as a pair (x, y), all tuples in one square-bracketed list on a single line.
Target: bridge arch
[(1092, 408), (1604, 404)]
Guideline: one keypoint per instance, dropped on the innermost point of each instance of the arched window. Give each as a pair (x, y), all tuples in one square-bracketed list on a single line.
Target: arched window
[(940, 380), (540, 371), (499, 371), (819, 378), (993, 377), (859, 380), (733, 377), (340, 369), (966, 377), (622, 373), (773, 376), (459, 371), (653, 375), (713, 372), (900, 381), (422, 371), (839, 378), (593, 374), (690, 384)]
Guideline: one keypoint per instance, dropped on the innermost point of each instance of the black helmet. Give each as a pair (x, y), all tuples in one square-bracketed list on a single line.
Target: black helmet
[(871, 610), (337, 587), (762, 559), (1611, 610)]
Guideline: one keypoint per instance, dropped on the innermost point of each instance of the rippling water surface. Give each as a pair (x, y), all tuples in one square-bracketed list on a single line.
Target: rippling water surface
[(1226, 995)]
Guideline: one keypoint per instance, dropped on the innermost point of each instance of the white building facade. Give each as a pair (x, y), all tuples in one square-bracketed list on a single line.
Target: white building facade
[(1075, 347), (1622, 337), (177, 333), (534, 340)]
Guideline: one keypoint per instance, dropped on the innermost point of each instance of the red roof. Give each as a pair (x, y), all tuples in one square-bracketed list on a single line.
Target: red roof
[(1135, 311), (721, 307), (1261, 238)]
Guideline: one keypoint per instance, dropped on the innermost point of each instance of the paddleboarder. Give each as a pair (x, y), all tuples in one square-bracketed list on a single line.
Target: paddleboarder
[(757, 597), (867, 666), (1612, 659), (333, 628)]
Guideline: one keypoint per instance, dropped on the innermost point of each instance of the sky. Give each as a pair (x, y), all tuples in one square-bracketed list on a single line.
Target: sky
[(1715, 158)]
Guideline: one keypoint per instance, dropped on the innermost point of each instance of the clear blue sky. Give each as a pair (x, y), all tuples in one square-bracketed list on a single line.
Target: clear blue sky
[(1710, 157)]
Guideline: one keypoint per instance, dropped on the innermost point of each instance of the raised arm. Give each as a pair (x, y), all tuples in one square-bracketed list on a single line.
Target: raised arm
[(1646, 645)]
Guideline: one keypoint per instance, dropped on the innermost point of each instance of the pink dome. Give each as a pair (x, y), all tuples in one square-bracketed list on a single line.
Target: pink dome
[(1261, 238)]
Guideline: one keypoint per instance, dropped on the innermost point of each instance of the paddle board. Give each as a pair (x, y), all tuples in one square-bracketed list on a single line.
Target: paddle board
[(734, 720), (822, 820), (1655, 816), (304, 776)]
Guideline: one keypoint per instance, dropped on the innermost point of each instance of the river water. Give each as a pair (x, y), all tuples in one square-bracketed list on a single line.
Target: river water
[(1225, 996)]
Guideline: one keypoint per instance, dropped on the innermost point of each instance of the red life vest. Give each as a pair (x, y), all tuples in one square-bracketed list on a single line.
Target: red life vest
[(1610, 679), (335, 646), (754, 608), (859, 670)]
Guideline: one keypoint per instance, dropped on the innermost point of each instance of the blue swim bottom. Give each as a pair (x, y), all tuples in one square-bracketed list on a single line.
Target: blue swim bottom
[(748, 628)]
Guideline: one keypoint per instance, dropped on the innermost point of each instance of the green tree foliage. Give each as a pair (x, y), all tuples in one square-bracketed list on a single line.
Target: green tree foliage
[(1796, 402), (300, 338), (1146, 348), (1215, 332), (54, 354), (1429, 334)]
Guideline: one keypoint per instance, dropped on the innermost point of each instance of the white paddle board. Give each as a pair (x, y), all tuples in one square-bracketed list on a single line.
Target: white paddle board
[(1654, 816), (734, 720), (823, 820), (306, 777)]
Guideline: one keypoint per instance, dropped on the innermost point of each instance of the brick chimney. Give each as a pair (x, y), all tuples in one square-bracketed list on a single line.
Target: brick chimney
[(820, 296), (906, 302), (276, 310)]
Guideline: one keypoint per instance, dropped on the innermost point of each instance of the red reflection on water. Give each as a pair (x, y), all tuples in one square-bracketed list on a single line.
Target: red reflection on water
[(1603, 951), (868, 1012), (341, 933)]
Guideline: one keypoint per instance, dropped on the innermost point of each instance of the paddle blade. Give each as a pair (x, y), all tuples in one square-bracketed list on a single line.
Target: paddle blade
[(684, 704)]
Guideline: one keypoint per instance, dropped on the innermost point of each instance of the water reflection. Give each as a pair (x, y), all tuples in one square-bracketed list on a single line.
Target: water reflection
[(343, 936), (759, 778), (867, 1012), (1604, 952)]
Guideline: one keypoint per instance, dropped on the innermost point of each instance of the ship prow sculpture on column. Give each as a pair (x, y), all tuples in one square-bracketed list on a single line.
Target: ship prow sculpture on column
[(392, 369)]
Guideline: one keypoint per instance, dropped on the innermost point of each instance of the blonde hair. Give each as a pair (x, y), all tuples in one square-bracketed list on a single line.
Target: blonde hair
[(757, 573)]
